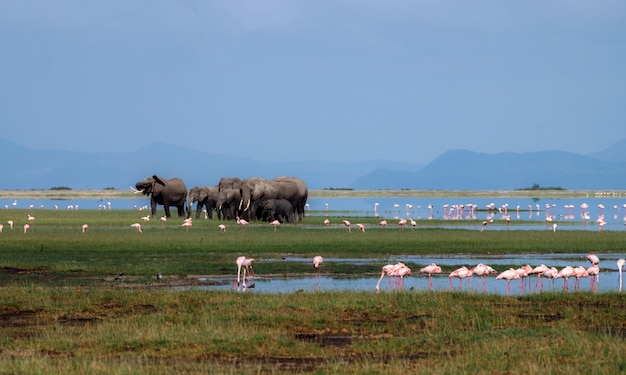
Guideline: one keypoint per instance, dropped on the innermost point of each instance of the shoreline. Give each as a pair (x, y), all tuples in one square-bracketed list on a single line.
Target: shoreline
[(127, 194)]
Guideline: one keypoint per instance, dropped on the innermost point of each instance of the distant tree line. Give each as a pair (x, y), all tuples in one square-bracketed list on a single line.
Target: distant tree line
[(537, 187)]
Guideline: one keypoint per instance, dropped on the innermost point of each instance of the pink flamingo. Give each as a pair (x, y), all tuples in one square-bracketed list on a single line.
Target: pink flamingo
[(402, 223), (482, 270), (383, 224), (523, 272), (430, 270), (244, 266), (84, 227), (593, 259), (551, 274), (413, 222), (242, 222), (137, 226), (361, 227), (222, 227), (579, 272), (347, 224), (461, 273), (620, 265), (10, 222), (594, 276), (539, 271), (326, 222), (317, 263), (565, 273), (187, 224), (508, 275), (26, 227), (392, 271), (275, 224)]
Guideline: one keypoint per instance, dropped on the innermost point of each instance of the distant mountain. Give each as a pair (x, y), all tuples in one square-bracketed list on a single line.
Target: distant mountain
[(467, 170), (26, 168), (615, 152)]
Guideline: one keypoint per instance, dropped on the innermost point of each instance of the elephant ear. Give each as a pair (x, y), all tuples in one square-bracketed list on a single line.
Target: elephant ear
[(158, 180)]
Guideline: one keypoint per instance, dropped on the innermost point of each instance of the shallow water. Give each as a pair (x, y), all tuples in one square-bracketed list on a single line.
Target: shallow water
[(441, 282)]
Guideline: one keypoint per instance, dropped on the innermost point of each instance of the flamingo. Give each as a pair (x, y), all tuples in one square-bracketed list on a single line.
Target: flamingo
[(361, 227), (187, 225), (413, 222), (551, 273), (275, 223), (10, 222), (593, 259), (579, 272), (394, 270), (26, 227), (31, 219), (222, 227), (620, 265), (382, 224), (523, 272), (1, 227), (483, 270), (244, 266), (430, 270), (146, 218), (508, 275), (566, 273), (137, 226), (326, 222), (461, 273), (539, 271), (84, 227), (347, 224), (402, 223), (317, 263), (242, 222), (594, 276)]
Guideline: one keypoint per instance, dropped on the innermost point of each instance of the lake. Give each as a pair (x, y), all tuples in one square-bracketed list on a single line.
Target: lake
[(532, 213)]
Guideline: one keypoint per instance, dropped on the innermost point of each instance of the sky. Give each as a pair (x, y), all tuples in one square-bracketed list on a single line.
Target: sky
[(344, 80)]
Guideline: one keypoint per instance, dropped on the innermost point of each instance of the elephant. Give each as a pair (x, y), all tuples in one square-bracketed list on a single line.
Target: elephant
[(276, 209), (254, 190), (229, 183), (227, 205), (167, 192), (206, 196)]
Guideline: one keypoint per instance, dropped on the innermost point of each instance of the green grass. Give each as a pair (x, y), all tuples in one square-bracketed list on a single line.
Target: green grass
[(59, 314)]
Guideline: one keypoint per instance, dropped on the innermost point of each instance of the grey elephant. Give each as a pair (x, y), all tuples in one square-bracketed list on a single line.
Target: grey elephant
[(206, 196), (254, 190), (276, 209), (170, 192), (229, 183), (227, 205)]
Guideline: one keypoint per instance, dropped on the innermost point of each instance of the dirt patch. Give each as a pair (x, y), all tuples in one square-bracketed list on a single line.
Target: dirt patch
[(325, 340)]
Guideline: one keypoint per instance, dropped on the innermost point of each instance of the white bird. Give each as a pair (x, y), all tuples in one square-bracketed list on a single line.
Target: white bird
[(620, 265), (187, 225), (10, 222), (137, 226), (222, 227), (84, 227)]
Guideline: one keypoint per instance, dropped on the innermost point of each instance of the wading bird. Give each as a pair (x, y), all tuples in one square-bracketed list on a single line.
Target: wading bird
[(383, 224), (508, 275), (430, 269), (84, 227), (620, 265), (222, 227), (317, 264), (244, 267), (242, 222), (347, 224), (275, 224), (137, 226)]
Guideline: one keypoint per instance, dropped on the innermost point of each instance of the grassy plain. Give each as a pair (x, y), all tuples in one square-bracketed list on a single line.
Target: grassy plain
[(61, 311)]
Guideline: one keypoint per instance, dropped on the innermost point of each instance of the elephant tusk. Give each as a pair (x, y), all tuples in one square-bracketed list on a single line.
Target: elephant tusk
[(247, 206), (135, 190)]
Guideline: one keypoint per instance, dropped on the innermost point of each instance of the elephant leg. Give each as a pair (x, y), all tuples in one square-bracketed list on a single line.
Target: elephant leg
[(153, 206), (181, 211), (166, 208), (198, 210)]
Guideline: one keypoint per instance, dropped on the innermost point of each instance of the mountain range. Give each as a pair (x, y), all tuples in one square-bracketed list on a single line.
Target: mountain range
[(26, 168)]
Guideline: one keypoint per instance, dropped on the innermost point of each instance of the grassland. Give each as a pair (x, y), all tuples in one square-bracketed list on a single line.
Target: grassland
[(60, 311)]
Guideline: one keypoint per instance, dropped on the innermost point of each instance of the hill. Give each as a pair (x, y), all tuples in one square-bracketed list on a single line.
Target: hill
[(27, 169), (467, 170)]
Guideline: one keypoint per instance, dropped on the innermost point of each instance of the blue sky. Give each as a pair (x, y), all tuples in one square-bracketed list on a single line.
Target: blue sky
[(349, 80)]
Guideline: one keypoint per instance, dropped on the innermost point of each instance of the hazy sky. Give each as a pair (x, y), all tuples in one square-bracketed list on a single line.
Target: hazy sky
[(349, 80)]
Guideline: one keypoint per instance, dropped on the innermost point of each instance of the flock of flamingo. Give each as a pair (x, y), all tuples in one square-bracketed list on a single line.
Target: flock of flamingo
[(395, 274)]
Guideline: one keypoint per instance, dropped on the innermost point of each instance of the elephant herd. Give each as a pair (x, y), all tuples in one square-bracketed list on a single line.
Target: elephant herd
[(282, 198)]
